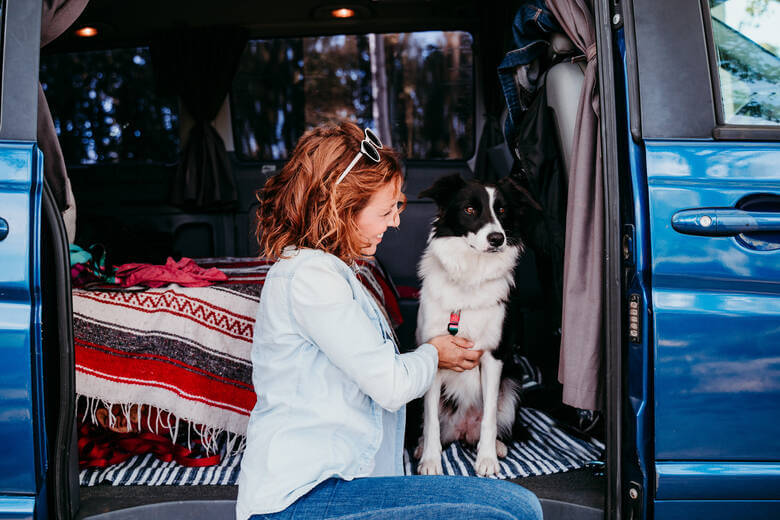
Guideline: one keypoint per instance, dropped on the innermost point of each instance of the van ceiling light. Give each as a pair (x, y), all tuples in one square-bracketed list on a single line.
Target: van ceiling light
[(342, 12), (87, 32)]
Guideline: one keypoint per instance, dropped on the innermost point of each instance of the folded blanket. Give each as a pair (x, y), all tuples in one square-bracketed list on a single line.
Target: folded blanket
[(183, 352)]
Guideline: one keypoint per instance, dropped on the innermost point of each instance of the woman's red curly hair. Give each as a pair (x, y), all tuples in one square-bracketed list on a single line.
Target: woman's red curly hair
[(302, 206)]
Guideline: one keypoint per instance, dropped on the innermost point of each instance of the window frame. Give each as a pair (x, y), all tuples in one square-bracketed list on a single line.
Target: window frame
[(241, 160), (724, 131)]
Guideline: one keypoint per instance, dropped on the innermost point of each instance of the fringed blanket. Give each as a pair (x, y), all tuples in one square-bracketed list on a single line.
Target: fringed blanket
[(146, 360)]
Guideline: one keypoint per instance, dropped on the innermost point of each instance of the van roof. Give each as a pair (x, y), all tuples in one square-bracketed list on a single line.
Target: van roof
[(130, 23)]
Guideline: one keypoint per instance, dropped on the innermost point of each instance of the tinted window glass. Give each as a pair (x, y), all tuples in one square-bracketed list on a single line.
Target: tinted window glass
[(747, 44), (105, 108), (267, 99), (415, 89)]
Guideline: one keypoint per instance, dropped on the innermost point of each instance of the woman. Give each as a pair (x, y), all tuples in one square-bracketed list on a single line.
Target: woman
[(331, 385)]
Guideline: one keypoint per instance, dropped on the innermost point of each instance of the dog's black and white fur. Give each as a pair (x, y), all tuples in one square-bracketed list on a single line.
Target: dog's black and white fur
[(468, 265)]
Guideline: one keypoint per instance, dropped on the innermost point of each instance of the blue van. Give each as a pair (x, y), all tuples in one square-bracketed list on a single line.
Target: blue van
[(681, 219)]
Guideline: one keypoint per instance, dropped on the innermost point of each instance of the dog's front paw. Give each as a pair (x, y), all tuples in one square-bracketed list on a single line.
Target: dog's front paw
[(430, 466), (487, 465)]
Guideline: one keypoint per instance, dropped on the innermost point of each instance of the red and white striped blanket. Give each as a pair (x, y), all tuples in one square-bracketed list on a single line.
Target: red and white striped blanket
[(182, 350)]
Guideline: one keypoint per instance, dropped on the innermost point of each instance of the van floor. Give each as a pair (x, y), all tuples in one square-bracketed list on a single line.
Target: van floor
[(579, 488)]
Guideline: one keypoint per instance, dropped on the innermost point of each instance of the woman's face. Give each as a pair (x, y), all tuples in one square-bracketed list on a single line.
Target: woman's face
[(380, 213)]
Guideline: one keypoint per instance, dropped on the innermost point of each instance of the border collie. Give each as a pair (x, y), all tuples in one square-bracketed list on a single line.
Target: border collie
[(467, 271)]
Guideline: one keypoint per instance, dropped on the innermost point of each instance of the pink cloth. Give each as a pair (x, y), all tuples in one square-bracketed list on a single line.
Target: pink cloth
[(185, 272)]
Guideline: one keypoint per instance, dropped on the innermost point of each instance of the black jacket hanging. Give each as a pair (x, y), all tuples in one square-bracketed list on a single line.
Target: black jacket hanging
[(540, 170)]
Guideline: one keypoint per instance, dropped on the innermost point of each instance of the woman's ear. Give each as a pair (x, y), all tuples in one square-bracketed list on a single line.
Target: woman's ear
[(443, 189)]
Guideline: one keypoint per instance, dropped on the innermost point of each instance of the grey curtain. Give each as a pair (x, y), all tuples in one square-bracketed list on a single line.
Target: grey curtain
[(56, 17), (580, 368), (198, 65)]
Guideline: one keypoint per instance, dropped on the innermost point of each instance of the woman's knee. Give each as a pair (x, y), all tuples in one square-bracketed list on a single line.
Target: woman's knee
[(517, 500)]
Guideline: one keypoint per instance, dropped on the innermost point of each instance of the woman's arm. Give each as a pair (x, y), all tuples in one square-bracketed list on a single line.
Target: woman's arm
[(322, 304)]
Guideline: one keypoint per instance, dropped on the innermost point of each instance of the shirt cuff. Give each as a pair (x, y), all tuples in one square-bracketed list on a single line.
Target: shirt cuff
[(431, 351)]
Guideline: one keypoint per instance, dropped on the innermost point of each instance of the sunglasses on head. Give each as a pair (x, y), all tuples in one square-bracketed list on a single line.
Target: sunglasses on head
[(369, 147)]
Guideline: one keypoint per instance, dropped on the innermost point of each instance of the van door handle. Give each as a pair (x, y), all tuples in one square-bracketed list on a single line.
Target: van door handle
[(724, 222)]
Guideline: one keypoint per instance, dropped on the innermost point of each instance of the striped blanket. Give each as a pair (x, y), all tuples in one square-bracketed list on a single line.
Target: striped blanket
[(158, 357), (547, 449)]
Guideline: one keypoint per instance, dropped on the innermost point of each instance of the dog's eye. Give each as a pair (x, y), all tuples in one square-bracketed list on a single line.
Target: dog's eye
[(469, 210), (500, 210)]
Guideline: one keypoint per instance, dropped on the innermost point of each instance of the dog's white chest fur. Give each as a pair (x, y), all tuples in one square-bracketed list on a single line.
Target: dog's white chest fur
[(457, 278)]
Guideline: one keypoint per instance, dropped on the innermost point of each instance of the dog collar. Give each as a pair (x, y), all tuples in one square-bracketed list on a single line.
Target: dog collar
[(452, 328)]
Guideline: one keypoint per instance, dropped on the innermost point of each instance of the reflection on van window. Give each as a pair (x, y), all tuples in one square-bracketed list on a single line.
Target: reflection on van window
[(415, 89), (105, 109), (747, 41)]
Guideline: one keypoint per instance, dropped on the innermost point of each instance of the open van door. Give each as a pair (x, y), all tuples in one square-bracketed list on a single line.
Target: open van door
[(705, 120), (22, 441)]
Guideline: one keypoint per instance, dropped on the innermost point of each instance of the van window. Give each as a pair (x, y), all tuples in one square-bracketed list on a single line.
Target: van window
[(415, 89), (105, 108), (747, 45)]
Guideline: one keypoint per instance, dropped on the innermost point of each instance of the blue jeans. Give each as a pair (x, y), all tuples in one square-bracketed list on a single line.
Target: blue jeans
[(415, 497)]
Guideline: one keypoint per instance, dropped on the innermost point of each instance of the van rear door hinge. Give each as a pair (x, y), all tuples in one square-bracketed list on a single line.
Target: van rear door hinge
[(616, 9), (634, 501)]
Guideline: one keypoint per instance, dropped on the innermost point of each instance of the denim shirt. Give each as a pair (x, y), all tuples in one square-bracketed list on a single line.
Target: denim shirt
[(530, 28), (325, 370)]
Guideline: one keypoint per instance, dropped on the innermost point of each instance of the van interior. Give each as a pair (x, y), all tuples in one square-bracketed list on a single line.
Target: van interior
[(138, 90)]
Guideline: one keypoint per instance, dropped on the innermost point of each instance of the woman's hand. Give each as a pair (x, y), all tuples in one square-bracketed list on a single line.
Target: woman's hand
[(454, 353)]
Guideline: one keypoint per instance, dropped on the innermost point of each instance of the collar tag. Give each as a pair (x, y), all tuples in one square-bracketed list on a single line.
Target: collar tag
[(452, 328)]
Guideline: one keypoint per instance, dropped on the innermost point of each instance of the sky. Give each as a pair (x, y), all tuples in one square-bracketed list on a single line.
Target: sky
[(764, 28)]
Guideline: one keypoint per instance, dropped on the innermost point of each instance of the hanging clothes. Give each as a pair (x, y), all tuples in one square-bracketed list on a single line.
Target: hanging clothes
[(574, 205), (540, 169), (56, 17), (582, 341), (519, 71)]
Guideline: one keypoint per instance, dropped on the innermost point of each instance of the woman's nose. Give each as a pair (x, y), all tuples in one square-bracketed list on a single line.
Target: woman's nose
[(396, 221)]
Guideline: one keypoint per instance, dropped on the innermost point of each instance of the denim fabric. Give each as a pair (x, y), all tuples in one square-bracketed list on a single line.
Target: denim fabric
[(326, 371), (533, 21), (418, 497)]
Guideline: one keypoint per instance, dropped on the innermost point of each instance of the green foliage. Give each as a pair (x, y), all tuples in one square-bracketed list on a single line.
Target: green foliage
[(285, 86), (105, 108)]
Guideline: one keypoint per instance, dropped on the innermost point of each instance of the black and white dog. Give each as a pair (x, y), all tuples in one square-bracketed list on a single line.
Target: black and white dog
[(467, 271)]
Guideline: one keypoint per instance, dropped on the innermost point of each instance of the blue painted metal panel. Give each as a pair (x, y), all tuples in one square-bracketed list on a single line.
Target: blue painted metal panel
[(17, 508), (718, 480), (19, 318), (717, 308), (717, 510)]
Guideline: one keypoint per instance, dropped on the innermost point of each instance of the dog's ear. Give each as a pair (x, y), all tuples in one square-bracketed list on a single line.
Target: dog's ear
[(443, 189), (521, 198)]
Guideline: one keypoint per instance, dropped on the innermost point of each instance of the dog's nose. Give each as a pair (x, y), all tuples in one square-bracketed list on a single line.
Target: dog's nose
[(495, 239)]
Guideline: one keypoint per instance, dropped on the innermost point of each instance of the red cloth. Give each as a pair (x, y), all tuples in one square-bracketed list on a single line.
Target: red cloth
[(407, 292), (99, 447), (185, 272), (382, 291)]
